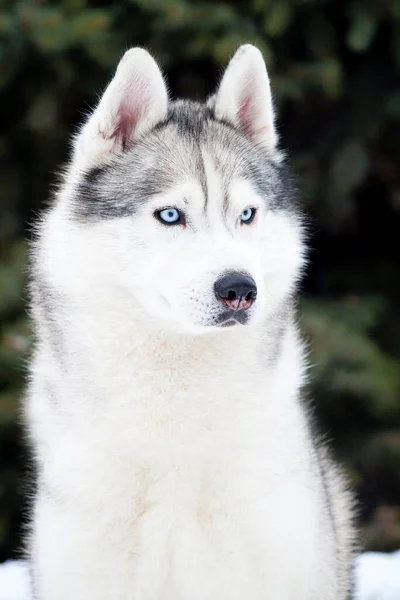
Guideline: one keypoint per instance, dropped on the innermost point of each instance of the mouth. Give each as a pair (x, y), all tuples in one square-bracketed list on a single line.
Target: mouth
[(229, 318), (229, 323)]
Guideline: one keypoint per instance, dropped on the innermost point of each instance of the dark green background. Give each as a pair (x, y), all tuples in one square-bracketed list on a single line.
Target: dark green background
[(335, 70)]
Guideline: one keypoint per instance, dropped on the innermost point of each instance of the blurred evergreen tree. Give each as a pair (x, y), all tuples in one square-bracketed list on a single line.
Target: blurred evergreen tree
[(335, 70)]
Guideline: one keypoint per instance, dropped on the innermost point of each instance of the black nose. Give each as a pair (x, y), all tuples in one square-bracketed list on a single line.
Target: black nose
[(236, 291)]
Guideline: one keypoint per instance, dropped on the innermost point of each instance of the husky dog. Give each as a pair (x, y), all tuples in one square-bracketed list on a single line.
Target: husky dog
[(175, 457)]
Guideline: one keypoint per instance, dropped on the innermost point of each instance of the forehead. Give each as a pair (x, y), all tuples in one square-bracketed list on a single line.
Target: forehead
[(181, 148)]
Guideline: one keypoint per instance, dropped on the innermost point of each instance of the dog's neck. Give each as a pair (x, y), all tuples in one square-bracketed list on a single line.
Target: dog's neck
[(115, 365)]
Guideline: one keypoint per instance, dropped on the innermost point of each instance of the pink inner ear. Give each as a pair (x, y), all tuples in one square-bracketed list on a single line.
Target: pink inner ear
[(126, 121), (131, 110), (247, 106)]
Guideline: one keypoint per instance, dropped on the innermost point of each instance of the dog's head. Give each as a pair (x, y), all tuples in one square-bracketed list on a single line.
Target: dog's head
[(186, 206)]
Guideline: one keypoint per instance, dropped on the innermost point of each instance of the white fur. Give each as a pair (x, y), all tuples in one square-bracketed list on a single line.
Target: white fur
[(175, 458)]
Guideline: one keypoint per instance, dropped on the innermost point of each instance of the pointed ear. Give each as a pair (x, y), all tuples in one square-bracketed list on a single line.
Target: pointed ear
[(244, 97), (134, 102)]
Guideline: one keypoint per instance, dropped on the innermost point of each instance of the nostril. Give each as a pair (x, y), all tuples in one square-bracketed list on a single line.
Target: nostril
[(251, 296), (231, 295)]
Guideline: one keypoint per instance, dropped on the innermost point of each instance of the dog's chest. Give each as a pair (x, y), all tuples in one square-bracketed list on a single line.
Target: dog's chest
[(207, 516), (198, 493)]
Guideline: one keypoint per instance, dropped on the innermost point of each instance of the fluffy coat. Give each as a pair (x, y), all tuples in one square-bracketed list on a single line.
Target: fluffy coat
[(175, 455)]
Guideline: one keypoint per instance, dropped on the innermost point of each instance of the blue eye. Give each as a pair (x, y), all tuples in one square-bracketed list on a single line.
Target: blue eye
[(248, 215), (169, 216)]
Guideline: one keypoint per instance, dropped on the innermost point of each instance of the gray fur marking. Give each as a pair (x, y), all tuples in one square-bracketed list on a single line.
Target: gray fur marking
[(172, 152)]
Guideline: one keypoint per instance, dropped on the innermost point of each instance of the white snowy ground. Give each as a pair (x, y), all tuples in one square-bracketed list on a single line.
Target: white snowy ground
[(377, 577)]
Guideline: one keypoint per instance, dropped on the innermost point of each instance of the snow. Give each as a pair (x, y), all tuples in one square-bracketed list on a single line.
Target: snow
[(14, 581), (377, 577)]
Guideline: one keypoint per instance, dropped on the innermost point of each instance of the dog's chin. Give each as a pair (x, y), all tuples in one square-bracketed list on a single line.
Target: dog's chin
[(222, 322)]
